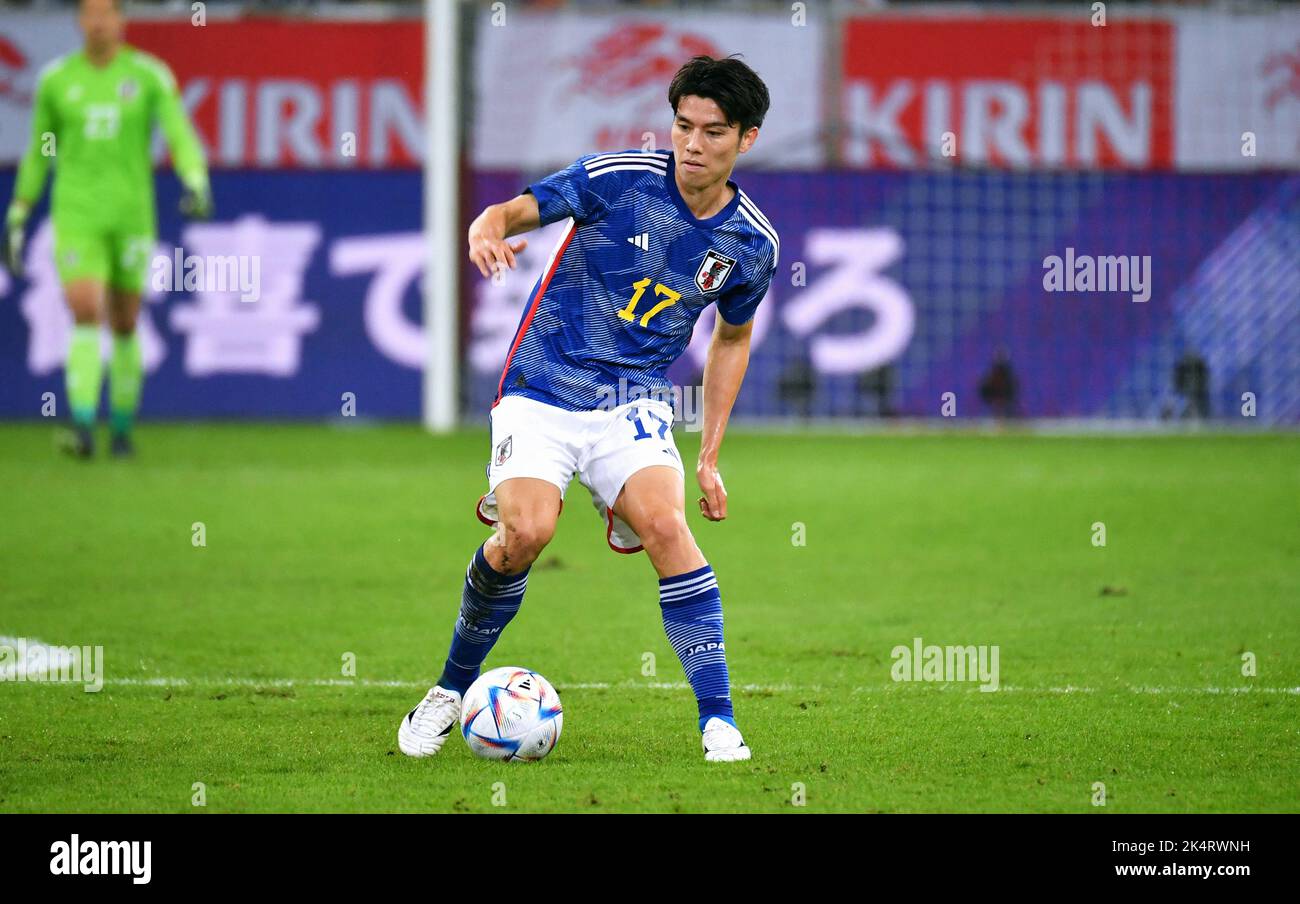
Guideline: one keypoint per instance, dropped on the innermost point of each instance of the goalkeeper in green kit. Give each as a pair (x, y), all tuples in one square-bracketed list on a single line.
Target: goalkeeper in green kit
[(93, 118)]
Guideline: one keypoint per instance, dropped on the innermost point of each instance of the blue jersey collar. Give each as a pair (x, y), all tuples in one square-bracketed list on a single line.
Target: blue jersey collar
[(718, 218)]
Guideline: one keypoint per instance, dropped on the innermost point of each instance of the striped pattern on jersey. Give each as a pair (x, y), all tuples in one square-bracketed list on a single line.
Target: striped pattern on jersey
[(585, 331)]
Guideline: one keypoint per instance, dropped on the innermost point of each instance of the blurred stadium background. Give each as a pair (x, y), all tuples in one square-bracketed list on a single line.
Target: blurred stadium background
[(909, 269), (239, 571)]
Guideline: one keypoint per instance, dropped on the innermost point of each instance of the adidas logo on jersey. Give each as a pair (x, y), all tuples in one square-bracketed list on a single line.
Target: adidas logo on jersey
[(642, 241)]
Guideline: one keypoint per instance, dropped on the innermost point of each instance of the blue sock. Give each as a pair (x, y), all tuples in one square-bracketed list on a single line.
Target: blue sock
[(490, 599), (692, 610)]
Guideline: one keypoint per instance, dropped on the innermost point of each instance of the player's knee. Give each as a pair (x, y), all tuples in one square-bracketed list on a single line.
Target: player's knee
[(122, 324), (85, 312), (525, 538), (665, 530), (123, 309)]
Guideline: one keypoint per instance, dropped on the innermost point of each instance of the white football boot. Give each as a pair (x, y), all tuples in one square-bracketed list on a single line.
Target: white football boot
[(722, 742), (427, 727)]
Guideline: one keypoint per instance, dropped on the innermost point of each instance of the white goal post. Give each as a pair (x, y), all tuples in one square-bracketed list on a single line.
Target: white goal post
[(441, 283)]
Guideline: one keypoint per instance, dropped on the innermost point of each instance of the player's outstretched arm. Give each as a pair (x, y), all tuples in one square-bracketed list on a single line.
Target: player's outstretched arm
[(187, 151), (724, 371), (31, 175), (488, 248)]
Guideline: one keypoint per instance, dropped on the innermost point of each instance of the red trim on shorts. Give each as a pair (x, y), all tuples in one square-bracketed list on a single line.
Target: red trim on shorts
[(478, 510), (609, 536), (532, 309)]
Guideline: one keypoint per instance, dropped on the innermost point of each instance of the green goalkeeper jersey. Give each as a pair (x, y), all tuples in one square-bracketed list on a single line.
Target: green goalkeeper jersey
[(95, 124)]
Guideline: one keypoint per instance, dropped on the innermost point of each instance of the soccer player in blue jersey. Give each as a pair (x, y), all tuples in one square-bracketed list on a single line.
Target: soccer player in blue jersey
[(652, 239)]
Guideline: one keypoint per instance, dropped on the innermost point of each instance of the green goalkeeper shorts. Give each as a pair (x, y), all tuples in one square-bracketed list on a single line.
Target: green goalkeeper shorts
[(118, 258)]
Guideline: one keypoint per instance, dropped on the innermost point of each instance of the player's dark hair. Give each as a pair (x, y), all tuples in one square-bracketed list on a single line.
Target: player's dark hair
[(728, 82)]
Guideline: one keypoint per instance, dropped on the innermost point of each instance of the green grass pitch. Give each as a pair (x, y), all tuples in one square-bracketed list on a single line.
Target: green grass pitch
[(1119, 664)]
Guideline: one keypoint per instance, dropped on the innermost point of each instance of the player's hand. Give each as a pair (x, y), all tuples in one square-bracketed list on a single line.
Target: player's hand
[(14, 239), (713, 504), (13, 251), (197, 205), (490, 255)]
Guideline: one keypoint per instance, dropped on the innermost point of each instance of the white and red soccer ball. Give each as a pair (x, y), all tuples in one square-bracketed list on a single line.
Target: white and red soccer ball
[(511, 714)]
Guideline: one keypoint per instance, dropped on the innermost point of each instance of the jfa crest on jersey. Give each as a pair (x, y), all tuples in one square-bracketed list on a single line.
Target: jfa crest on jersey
[(625, 284), (713, 272)]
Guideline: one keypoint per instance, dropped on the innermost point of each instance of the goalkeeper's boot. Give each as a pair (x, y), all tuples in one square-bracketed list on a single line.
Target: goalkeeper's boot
[(722, 742), (427, 727), (78, 441), (122, 447)]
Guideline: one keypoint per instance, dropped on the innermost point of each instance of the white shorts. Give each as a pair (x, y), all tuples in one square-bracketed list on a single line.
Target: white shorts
[(604, 448)]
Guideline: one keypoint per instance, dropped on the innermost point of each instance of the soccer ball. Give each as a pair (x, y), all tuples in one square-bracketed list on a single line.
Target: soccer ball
[(511, 714)]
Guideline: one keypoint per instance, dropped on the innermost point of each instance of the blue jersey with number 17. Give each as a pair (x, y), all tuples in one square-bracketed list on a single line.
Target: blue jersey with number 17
[(619, 297)]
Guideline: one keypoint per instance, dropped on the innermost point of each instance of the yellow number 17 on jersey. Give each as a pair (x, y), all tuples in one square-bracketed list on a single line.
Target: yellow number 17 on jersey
[(669, 298)]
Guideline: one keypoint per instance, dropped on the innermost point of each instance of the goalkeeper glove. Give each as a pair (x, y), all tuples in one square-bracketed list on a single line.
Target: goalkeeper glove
[(196, 204), (15, 220)]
